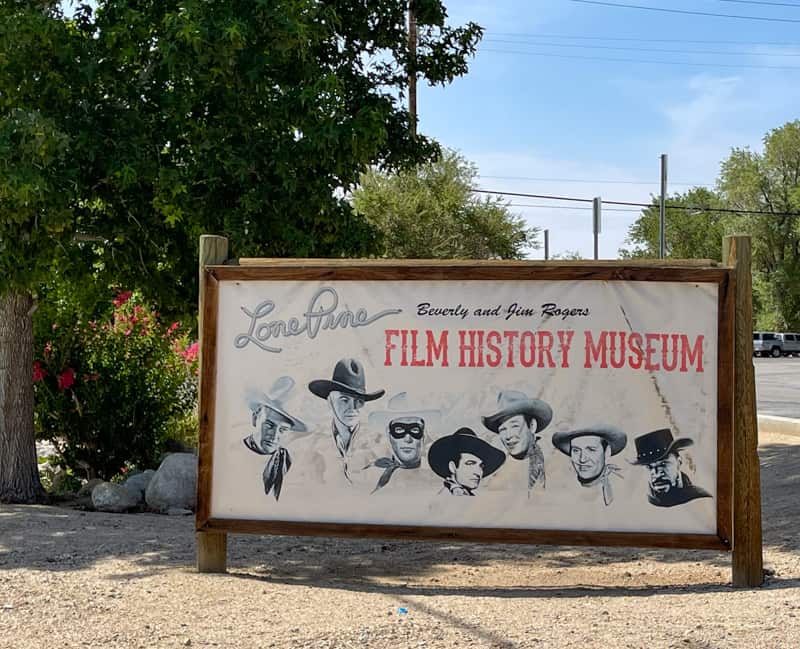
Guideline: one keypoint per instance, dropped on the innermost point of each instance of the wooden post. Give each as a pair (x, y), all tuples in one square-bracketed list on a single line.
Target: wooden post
[(747, 551), (212, 547)]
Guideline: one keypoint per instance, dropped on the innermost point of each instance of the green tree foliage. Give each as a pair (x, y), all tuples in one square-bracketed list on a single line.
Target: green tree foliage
[(767, 181), (690, 233), (128, 128), (431, 211), (770, 181)]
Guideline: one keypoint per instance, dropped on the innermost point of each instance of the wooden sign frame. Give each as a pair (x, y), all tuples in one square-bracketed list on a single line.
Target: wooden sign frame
[(212, 530)]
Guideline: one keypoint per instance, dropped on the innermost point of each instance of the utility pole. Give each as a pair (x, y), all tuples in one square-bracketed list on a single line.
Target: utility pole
[(546, 245), (597, 208), (412, 71), (662, 210)]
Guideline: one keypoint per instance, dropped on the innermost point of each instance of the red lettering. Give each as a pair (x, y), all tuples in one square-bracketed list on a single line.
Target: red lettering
[(617, 350), (415, 362), (565, 345), (636, 355), (667, 365), (527, 349), (510, 336), (546, 348), (390, 333), (437, 352), (693, 355), (494, 354), (649, 365), (595, 352)]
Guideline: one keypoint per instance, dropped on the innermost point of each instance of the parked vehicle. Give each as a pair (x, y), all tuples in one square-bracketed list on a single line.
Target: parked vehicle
[(767, 343), (775, 344), (791, 344)]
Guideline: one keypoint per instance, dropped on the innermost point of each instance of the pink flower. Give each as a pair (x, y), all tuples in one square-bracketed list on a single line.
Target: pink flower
[(127, 332), (66, 379), (55, 326), (172, 328), (190, 353), (122, 298), (48, 349), (38, 372)]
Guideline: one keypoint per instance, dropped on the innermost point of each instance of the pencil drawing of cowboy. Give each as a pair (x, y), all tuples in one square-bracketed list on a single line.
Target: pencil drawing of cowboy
[(271, 424), (590, 449), (518, 420), (346, 394)]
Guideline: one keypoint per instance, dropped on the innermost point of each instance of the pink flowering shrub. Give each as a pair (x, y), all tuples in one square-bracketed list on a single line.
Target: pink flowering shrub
[(107, 389)]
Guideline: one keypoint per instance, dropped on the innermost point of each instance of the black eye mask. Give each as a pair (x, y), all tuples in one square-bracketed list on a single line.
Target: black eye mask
[(399, 430)]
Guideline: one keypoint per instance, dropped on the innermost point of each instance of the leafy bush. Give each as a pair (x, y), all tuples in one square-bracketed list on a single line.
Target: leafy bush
[(107, 390)]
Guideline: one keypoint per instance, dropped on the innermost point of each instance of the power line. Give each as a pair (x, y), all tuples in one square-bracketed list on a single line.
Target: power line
[(690, 208), (643, 40), (649, 61), (763, 2), (640, 49), (687, 12), (590, 182), (570, 207)]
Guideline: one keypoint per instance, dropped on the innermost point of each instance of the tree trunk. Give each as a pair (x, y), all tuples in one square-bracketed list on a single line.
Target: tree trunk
[(19, 472)]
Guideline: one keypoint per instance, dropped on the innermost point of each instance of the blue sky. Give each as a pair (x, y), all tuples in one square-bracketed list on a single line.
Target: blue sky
[(527, 115)]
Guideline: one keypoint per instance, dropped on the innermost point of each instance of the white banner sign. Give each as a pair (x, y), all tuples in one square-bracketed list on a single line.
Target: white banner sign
[(540, 405)]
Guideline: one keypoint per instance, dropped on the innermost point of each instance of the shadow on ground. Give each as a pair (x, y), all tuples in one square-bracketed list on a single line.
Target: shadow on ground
[(62, 539)]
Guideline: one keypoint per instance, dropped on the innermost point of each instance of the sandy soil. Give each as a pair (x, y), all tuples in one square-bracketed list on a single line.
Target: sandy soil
[(70, 578)]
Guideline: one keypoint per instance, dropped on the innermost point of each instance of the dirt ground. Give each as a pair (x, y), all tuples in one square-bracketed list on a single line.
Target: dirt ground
[(70, 578)]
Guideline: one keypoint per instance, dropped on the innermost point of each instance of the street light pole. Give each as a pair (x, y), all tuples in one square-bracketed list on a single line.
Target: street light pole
[(662, 210)]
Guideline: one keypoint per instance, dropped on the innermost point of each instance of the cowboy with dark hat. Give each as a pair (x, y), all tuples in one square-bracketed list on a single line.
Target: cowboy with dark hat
[(517, 421), (660, 453), (590, 449), (463, 459), (346, 394), (271, 422)]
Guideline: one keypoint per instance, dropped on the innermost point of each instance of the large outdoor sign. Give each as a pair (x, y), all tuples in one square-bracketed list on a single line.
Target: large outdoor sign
[(516, 402)]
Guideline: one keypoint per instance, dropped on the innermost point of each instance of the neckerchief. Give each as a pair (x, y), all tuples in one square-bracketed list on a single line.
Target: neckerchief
[(342, 448), (277, 467), (457, 489), (605, 481), (535, 465), (389, 466)]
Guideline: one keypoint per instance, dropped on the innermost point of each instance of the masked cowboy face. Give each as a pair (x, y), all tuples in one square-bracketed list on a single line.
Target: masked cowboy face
[(405, 438), (270, 427), (589, 454), (665, 474), (516, 435), (346, 408), (467, 471)]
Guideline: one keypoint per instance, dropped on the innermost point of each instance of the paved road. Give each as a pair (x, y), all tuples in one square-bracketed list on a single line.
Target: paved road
[(778, 386)]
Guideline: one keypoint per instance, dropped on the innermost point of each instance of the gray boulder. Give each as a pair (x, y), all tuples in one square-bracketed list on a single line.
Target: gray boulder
[(110, 497), (137, 483), (174, 485)]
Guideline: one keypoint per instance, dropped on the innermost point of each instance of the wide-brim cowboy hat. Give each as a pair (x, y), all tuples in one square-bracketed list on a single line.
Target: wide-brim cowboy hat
[(655, 446), (511, 402), (447, 449), (399, 408), (616, 438), (274, 401), (348, 377)]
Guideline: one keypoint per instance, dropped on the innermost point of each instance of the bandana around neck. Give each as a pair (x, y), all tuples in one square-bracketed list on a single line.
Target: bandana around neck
[(604, 479), (277, 467), (389, 466)]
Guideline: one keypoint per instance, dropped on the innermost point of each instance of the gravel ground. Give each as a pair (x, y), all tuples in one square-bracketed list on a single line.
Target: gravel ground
[(70, 578)]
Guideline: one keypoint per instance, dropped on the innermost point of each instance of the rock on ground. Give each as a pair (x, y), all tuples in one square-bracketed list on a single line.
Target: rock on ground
[(175, 483), (137, 483), (110, 497)]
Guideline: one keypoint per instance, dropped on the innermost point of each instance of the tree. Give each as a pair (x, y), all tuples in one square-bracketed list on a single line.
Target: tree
[(431, 211), (129, 129), (770, 182), (690, 233)]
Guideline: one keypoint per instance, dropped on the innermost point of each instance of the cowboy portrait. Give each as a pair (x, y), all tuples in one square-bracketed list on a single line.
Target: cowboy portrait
[(463, 459), (406, 428), (271, 423), (668, 484), (346, 394), (517, 421), (589, 450)]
